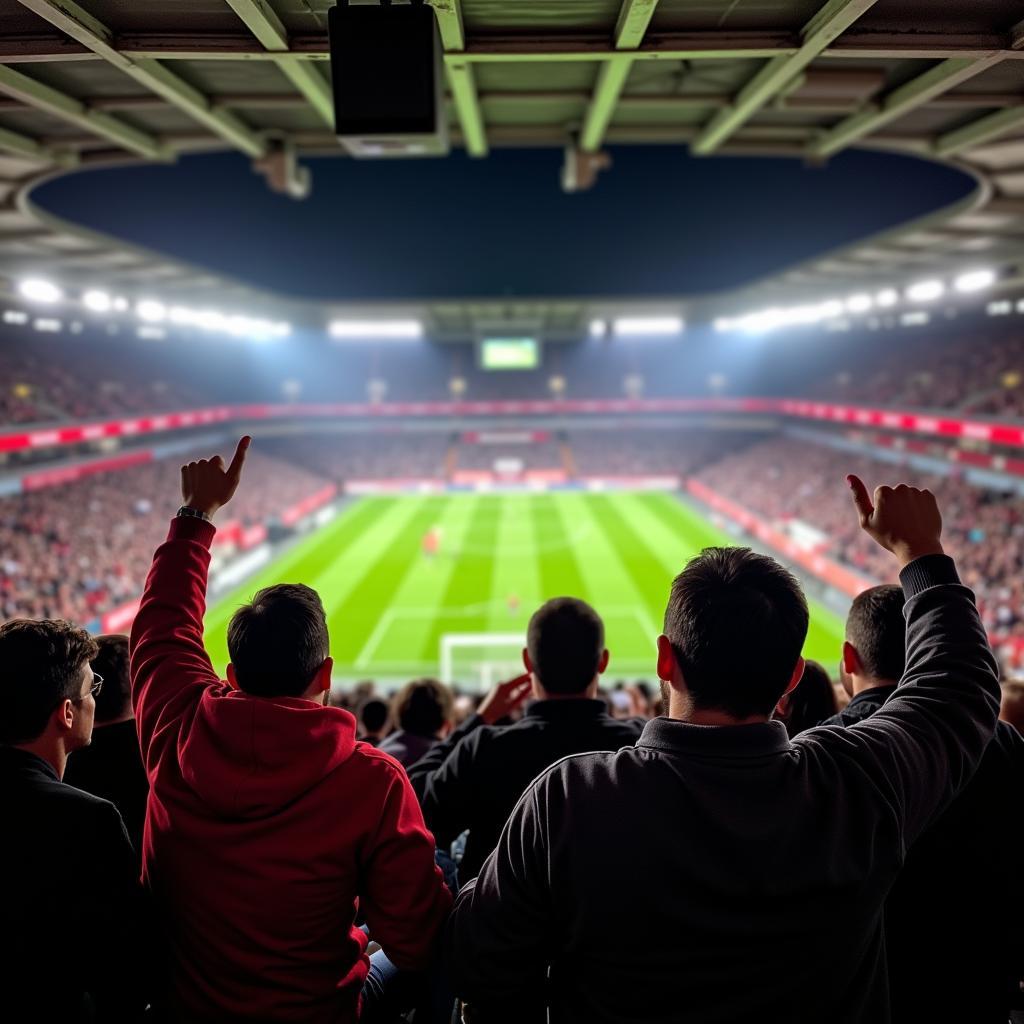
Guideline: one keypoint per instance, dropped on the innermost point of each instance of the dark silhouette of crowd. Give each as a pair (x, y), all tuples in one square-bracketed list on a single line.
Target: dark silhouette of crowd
[(184, 848)]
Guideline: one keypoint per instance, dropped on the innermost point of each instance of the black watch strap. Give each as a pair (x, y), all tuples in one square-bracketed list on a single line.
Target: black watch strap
[(187, 512)]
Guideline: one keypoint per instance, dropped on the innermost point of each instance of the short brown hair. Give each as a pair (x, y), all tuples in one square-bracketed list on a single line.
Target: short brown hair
[(565, 640), (422, 707), (876, 628), (111, 663), (40, 664), (278, 642), (737, 621)]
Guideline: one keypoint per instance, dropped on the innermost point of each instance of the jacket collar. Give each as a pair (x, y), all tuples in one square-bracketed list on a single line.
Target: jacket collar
[(566, 708), (675, 737), (877, 696), (24, 762)]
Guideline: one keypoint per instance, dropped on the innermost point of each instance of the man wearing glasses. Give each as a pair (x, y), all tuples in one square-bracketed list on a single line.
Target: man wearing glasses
[(67, 869)]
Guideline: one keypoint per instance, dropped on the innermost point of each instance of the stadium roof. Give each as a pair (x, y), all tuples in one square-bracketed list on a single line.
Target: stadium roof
[(111, 82)]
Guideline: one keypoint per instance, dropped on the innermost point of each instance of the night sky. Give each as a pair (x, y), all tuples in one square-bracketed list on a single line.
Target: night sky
[(658, 222)]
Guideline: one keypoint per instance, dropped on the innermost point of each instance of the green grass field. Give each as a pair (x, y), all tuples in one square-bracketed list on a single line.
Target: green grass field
[(389, 605)]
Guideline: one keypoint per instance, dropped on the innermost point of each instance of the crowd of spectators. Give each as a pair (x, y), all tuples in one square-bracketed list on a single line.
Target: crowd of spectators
[(436, 855), (377, 455), (83, 549), (787, 480)]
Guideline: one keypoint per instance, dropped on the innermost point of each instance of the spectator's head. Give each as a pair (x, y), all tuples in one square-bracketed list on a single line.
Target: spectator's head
[(1012, 706), (810, 702), (734, 628), (423, 707), (279, 645), (373, 719), (114, 703), (46, 687), (565, 650), (875, 649)]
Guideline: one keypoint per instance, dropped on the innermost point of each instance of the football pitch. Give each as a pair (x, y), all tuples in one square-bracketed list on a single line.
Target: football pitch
[(395, 612)]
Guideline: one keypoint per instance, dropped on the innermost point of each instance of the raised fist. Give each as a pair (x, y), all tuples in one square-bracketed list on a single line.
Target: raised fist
[(206, 484), (904, 520)]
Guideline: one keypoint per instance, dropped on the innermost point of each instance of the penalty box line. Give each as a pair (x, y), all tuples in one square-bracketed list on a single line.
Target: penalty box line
[(392, 615)]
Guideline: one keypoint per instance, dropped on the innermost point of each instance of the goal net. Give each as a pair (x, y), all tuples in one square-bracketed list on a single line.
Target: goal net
[(481, 659)]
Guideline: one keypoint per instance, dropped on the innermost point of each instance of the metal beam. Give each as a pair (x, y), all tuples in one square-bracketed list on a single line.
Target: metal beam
[(44, 97), (23, 145), (900, 101), (634, 17), (92, 33), (261, 19), (461, 80), (830, 22), (978, 132)]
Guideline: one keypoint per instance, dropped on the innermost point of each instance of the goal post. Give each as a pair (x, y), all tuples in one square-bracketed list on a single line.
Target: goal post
[(485, 658)]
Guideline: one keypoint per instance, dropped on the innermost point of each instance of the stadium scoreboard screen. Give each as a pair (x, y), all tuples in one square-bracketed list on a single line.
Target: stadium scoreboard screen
[(509, 354)]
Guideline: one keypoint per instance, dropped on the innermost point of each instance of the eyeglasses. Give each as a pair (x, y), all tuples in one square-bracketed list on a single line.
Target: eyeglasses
[(93, 691)]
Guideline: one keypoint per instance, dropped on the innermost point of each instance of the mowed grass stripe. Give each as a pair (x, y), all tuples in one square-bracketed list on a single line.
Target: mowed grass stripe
[(471, 579), (826, 630), (301, 564), (650, 578), (557, 567), (397, 552), (516, 569)]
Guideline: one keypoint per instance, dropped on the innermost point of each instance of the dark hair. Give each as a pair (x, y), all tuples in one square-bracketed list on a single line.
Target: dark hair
[(422, 707), (813, 700), (877, 629), (40, 666), (373, 714), (111, 662), (565, 640), (278, 642), (737, 622)]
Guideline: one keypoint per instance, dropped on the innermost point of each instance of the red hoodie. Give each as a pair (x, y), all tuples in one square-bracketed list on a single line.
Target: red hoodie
[(267, 824)]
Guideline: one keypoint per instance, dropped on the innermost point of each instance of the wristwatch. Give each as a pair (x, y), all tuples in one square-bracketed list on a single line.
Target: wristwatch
[(187, 512)]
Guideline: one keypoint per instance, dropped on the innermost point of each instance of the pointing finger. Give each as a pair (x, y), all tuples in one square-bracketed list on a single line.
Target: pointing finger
[(861, 498), (235, 469)]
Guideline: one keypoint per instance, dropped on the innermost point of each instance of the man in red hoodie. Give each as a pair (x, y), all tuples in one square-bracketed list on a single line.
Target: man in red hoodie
[(268, 826)]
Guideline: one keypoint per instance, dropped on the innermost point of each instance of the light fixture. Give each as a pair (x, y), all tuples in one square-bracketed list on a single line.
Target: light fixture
[(15, 316), (887, 297), (598, 328), (914, 319), (48, 324), (38, 290), (151, 310), (96, 300), (926, 291), (975, 280), (367, 329), (859, 303), (647, 326)]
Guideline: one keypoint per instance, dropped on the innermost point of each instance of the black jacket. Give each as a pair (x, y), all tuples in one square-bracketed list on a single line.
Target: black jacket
[(473, 779), (729, 874), (111, 768), (407, 747), (72, 915), (954, 921)]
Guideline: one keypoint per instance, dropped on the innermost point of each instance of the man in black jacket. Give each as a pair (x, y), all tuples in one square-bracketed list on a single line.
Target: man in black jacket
[(473, 780), (775, 856), (111, 765), (954, 933), (68, 875)]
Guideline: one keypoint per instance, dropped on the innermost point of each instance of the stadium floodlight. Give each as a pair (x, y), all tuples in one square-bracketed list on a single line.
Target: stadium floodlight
[(36, 289), (647, 326), (915, 319), (151, 332), (887, 297), (723, 323), (151, 310), (15, 316), (926, 291), (1002, 308), (859, 303), (48, 325), (598, 328), (975, 280), (376, 329), (97, 301), (120, 304)]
